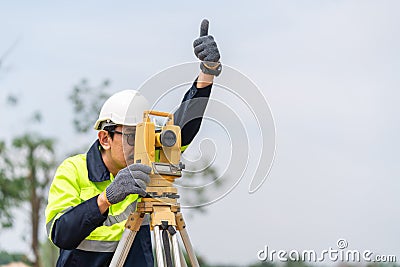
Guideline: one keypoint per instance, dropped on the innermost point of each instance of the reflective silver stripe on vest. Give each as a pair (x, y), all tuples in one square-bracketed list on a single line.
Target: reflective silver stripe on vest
[(98, 246), (124, 215), (113, 219), (48, 226)]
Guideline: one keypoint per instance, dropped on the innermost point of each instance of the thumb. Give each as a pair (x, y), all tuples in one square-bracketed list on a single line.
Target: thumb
[(204, 28)]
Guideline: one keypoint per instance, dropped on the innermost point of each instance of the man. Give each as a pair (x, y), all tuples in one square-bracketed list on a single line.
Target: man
[(92, 194)]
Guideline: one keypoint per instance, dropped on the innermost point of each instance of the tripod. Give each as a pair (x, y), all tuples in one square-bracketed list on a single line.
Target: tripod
[(161, 202), (165, 221)]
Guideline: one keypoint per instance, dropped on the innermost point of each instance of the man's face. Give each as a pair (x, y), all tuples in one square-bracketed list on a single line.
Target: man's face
[(123, 145)]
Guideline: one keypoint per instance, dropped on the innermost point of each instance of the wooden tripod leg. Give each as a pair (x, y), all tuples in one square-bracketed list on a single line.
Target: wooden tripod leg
[(183, 261), (132, 226), (181, 227)]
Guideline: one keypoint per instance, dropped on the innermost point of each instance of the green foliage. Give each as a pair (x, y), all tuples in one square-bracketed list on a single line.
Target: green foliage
[(12, 100), (263, 264), (292, 263), (37, 116), (36, 164), (10, 187), (26, 171), (6, 258), (37, 159), (87, 101), (198, 194), (26, 167), (201, 260), (24, 164)]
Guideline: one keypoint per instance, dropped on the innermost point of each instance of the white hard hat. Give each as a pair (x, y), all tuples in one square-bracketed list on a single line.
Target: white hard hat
[(124, 108)]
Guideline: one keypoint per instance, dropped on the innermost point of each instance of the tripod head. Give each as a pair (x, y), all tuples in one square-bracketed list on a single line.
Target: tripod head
[(161, 150)]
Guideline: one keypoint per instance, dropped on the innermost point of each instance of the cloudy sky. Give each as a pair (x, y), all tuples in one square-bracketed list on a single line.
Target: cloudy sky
[(328, 69)]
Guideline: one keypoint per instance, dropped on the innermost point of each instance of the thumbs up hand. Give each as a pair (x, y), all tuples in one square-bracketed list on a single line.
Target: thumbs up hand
[(205, 49)]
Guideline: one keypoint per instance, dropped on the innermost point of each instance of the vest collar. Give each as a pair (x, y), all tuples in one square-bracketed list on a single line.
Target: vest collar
[(97, 170)]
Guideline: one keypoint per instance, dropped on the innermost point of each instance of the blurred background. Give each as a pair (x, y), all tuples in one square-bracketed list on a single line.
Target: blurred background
[(328, 69)]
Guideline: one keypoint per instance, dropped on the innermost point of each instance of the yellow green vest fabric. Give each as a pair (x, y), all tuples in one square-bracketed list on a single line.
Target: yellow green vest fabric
[(71, 187)]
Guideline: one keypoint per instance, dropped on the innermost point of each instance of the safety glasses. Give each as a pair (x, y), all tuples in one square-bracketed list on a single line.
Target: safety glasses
[(130, 137)]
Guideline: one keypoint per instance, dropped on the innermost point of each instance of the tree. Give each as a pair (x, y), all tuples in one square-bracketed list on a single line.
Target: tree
[(25, 172), (26, 167), (9, 188), (6, 258), (197, 196), (35, 164), (86, 101)]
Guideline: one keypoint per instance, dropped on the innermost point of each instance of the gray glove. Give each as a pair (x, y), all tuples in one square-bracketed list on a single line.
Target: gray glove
[(129, 180), (205, 49)]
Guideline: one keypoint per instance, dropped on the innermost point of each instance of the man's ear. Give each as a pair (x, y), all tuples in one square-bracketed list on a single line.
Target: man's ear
[(104, 139)]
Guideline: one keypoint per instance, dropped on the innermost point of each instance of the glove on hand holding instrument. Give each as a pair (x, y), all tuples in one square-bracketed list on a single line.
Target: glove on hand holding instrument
[(130, 180), (205, 49)]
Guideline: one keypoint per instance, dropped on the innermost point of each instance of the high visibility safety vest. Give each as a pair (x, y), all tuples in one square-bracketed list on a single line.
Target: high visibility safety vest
[(76, 182), (82, 177), (70, 188)]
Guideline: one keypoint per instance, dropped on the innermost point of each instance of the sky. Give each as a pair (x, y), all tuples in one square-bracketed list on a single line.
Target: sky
[(328, 71)]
